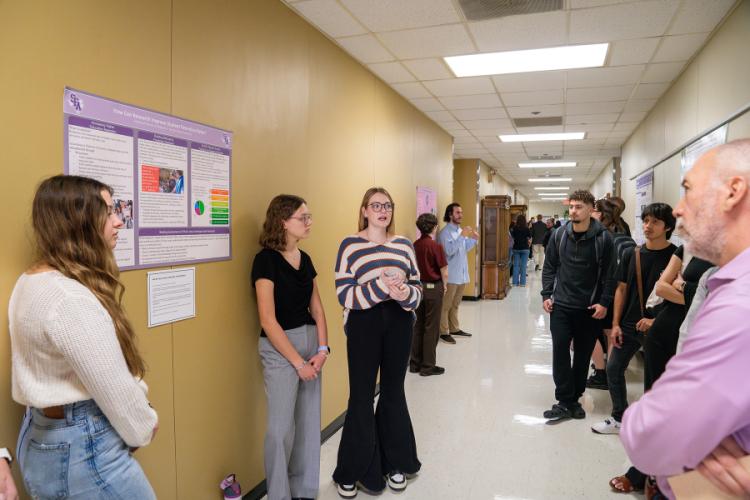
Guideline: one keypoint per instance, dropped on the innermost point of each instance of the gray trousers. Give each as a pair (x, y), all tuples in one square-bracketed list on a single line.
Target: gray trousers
[(292, 444)]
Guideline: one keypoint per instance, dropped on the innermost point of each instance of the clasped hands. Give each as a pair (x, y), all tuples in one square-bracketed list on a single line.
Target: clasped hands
[(394, 279)]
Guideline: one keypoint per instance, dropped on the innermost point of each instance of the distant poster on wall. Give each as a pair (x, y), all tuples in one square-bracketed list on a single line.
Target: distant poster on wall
[(695, 150), (171, 179), (644, 195), (426, 202)]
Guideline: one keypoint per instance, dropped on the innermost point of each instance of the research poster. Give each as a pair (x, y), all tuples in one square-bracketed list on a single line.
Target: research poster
[(644, 195), (696, 149), (171, 179), (426, 202)]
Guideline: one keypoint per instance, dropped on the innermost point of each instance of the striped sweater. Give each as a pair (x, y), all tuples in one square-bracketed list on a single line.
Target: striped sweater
[(359, 265)]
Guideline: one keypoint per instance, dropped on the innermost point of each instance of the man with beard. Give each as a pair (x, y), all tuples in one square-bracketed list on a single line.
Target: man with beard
[(697, 415), (577, 288)]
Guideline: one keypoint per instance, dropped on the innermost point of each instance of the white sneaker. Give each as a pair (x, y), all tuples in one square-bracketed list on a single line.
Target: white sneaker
[(609, 426), (347, 490), (397, 481)]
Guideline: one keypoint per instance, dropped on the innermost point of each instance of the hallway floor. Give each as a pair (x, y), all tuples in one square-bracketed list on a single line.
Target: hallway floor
[(479, 427)]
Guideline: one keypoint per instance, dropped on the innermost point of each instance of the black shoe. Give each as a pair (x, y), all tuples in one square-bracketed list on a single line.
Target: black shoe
[(435, 370), (448, 339), (557, 413), (461, 333), (577, 412), (347, 490), (413, 369), (598, 380), (396, 481)]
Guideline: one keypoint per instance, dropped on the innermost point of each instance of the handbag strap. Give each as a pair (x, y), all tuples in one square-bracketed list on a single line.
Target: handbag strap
[(639, 279)]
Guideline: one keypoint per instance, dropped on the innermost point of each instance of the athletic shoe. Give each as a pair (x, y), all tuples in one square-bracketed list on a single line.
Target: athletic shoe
[(396, 481), (557, 412), (347, 490), (609, 426), (231, 488), (435, 370), (448, 339), (598, 380), (461, 333)]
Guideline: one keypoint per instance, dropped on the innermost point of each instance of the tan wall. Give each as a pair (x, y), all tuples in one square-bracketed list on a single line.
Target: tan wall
[(547, 209), (307, 119), (603, 184), (714, 85)]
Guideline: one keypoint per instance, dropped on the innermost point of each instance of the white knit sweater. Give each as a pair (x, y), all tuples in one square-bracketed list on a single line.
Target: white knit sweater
[(65, 350)]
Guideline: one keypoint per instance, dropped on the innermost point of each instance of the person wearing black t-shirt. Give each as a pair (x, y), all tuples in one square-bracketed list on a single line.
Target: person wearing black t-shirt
[(293, 349), (630, 318), (521, 244)]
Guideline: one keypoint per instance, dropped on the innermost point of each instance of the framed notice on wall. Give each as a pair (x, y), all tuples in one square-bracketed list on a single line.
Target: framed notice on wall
[(171, 179)]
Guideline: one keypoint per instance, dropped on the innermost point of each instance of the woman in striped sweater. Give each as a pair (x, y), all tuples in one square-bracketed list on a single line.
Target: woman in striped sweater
[(377, 283)]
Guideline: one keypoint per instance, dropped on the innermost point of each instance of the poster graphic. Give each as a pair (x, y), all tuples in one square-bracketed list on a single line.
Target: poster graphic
[(171, 178), (426, 202)]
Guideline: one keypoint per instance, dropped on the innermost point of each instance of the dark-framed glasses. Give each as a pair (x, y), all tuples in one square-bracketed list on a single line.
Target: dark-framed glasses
[(381, 207), (304, 218)]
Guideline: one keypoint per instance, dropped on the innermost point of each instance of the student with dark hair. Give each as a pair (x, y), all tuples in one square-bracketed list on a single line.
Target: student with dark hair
[(577, 291), (433, 272), (521, 244), (620, 203), (293, 349), (539, 232)]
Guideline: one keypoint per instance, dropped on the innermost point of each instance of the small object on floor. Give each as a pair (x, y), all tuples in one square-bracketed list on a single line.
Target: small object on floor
[(598, 380), (609, 426), (557, 413), (435, 370), (396, 481), (231, 488), (347, 490), (577, 412), (461, 333), (448, 339)]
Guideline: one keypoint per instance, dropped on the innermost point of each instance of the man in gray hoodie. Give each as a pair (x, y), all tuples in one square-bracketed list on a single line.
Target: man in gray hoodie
[(577, 289)]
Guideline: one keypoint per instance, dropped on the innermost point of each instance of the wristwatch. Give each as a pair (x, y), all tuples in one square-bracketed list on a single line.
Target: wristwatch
[(4, 453)]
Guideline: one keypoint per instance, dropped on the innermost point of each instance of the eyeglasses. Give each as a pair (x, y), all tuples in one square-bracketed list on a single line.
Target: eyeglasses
[(305, 218), (381, 207)]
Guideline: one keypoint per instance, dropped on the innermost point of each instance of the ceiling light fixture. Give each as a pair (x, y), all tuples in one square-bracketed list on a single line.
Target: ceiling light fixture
[(548, 164), (551, 179), (524, 61), (561, 188), (565, 136)]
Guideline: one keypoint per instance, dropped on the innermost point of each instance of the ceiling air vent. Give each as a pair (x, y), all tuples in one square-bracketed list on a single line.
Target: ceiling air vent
[(481, 10), (544, 121)]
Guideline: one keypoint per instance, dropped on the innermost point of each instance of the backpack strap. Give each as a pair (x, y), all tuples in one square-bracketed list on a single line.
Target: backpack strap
[(639, 278)]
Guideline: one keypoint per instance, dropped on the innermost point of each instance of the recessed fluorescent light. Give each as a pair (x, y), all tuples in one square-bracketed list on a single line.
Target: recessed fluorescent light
[(566, 136), (523, 61), (548, 164), (553, 199), (551, 179), (561, 188)]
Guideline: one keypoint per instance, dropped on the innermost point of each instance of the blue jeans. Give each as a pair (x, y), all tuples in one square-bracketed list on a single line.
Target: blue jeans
[(520, 259), (80, 456)]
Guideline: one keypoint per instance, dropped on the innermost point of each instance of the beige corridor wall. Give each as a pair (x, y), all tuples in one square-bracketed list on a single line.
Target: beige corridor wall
[(714, 85), (307, 119)]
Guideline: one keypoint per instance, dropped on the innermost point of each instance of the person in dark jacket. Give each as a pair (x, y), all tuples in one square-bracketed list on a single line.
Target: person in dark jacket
[(577, 290)]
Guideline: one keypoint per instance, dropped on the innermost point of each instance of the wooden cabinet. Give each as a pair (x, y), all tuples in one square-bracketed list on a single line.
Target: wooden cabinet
[(515, 211), (495, 220)]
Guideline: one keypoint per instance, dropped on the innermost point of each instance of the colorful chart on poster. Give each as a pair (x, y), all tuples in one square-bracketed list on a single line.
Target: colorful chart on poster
[(171, 179)]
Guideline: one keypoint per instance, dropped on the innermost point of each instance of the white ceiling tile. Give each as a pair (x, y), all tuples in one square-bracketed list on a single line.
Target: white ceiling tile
[(595, 94), (492, 132), (391, 72), (410, 90), (466, 140), (460, 133), (480, 114), (638, 51), (535, 111), (533, 98), (471, 152), (590, 127), (679, 47), (485, 124), (587, 119), (662, 72), (615, 141), (650, 90), (427, 104), (621, 22), (490, 142), (438, 41), (540, 130), (508, 147), (524, 82), (428, 69), (365, 48), (450, 125), (528, 31), (330, 17), (461, 86), (598, 135), (633, 117), (590, 108), (625, 127), (389, 15), (583, 4), (471, 101), (440, 115), (697, 16), (604, 77)]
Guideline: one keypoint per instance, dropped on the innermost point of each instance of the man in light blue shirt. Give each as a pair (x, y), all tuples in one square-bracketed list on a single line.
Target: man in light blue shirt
[(457, 242)]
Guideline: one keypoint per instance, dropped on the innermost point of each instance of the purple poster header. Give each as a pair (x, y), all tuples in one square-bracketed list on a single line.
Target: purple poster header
[(644, 180), (76, 102)]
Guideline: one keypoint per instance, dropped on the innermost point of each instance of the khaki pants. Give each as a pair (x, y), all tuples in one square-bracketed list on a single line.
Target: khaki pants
[(449, 314), (539, 255)]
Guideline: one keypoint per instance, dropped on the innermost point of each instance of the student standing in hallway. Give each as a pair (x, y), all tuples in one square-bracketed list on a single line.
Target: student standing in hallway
[(538, 233), (377, 283), (577, 289), (293, 348), (521, 242), (457, 242), (433, 270)]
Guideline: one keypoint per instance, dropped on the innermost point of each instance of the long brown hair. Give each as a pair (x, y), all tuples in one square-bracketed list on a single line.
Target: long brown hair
[(366, 200), (610, 215), (280, 209), (68, 217)]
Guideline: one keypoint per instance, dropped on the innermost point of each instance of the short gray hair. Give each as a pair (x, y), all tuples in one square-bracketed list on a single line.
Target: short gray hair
[(733, 158)]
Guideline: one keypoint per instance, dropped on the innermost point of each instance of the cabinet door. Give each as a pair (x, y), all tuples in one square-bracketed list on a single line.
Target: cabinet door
[(489, 239)]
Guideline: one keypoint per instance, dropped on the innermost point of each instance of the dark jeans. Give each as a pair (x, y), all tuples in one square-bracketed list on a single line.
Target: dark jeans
[(427, 327), (576, 325), (374, 444), (618, 362), (661, 342)]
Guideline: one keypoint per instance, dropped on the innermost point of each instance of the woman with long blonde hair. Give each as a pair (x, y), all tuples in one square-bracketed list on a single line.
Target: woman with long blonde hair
[(76, 366)]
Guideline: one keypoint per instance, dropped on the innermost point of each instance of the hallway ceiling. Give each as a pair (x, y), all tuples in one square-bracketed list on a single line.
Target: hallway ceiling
[(403, 42)]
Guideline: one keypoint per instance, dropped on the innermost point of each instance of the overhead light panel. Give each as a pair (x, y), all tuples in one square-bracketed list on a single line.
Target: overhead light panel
[(525, 61), (551, 179), (565, 136), (561, 188), (548, 164)]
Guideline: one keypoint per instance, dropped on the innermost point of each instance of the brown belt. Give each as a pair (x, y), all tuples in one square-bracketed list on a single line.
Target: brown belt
[(54, 412)]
